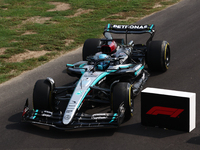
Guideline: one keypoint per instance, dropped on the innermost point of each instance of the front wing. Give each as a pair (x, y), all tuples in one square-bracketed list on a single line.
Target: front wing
[(80, 120)]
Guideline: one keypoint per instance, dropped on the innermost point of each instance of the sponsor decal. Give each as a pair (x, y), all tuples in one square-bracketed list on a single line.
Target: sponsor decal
[(99, 116), (102, 80), (172, 112), (69, 111), (122, 54), (49, 112), (79, 92), (130, 27), (46, 115), (91, 75), (67, 117), (72, 105)]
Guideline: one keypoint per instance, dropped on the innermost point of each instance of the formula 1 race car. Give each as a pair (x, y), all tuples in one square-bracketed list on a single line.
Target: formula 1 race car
[(111, 75)]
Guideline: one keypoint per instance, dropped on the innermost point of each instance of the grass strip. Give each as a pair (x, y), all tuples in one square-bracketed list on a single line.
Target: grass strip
[(32, 25)]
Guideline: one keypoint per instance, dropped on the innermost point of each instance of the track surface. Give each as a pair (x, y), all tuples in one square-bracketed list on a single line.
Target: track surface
[(180, 26)]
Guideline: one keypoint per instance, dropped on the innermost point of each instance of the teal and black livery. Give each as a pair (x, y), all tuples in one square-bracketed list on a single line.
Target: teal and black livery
[(111, 75)]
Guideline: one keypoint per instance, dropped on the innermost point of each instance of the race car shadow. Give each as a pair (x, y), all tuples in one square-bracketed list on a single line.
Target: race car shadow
[(155, 132), (44, 131)]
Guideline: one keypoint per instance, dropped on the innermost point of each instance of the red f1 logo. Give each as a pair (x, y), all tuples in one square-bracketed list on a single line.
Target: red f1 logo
[(173, 112)]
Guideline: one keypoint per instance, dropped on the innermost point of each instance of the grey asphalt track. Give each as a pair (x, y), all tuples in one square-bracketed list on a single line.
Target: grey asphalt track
[(180, 26)]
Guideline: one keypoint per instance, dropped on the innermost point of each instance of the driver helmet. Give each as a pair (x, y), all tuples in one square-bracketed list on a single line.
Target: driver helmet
[(103, 65), (109, 48)]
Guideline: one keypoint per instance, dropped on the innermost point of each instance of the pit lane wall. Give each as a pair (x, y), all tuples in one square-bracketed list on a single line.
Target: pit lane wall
[(169, 109)]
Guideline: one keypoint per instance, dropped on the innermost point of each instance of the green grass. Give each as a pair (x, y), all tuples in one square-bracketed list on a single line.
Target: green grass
[(51, 34)]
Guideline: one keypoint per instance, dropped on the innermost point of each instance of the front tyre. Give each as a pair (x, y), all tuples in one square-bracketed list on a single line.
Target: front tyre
[(122, 93), (158, 55), (42, 95)]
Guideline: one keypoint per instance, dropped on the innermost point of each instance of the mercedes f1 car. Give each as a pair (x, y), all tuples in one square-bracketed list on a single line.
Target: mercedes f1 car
[(111, 74)]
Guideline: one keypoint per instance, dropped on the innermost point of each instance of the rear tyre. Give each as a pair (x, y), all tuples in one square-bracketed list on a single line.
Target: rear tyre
[(158, 56), (90, 47), (42, 95), (122, 93)]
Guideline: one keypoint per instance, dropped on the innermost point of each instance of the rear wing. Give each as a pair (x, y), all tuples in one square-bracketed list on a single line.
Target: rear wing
[(131, 29)]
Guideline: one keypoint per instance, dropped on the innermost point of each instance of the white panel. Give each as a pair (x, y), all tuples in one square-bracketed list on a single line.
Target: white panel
[(168, 92), (189, 95), (192, 120)]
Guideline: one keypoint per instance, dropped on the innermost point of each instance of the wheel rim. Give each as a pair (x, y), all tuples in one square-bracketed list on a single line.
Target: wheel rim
[(131, 100), (167, 56)]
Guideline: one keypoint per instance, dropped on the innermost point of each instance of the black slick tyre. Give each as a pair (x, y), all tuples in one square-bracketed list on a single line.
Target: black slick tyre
[(158, 56), (122, 93), (90, 47), (42, 95)]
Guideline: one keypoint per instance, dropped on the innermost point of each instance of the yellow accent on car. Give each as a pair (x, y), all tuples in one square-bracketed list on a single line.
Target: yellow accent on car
[(166, 54), (130, 97)]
